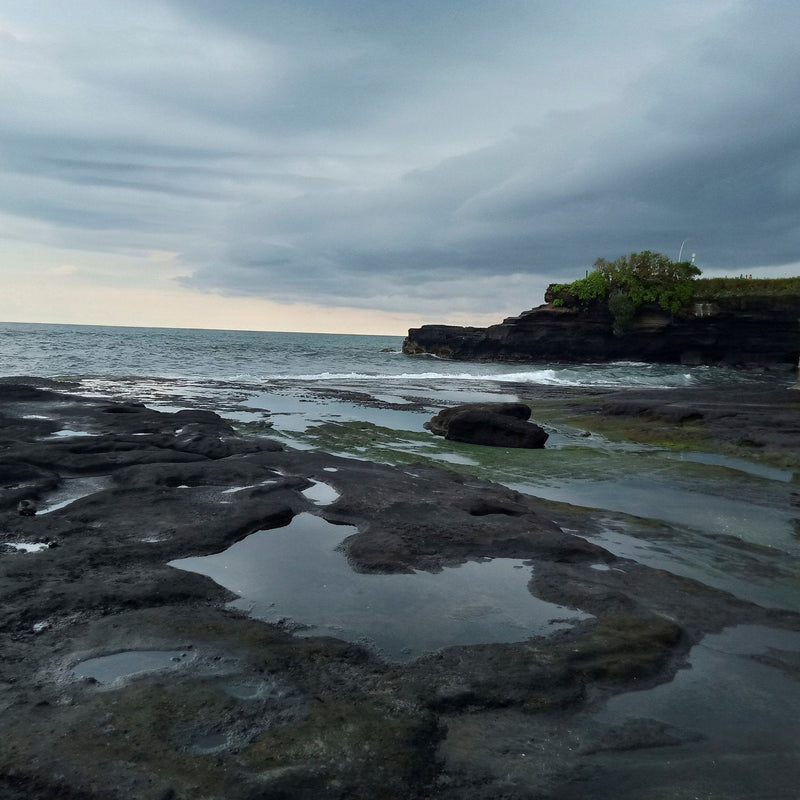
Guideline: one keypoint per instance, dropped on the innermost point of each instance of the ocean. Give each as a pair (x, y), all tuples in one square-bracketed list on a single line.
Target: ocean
[(197, 360)]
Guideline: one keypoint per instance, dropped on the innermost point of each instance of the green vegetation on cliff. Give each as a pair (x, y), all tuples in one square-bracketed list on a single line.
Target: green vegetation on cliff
[(629, 282), (710, 289)]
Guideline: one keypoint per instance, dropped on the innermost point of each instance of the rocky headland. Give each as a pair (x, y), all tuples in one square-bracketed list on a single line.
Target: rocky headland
[(744, 329), (247, 709)]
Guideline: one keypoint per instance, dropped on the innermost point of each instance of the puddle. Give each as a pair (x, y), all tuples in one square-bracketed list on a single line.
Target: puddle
[(764, 525), (746, 711), (738, 464), (321, 494), (452, 458), (28, 547), (392, 398), (71, 490), (208, 743), (297, 413), (296, 573), (69, 433), (691, 554), (107, 669), (235, 489)]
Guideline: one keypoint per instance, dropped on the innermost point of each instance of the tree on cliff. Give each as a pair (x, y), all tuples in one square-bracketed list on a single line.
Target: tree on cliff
[(630, 281)]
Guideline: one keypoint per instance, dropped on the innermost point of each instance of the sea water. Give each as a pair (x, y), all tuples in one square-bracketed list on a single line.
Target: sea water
[(249, 360)]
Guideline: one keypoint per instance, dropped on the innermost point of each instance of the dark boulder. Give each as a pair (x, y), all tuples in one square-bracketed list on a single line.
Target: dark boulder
[(441, 421), (497, 430), (493, 424)]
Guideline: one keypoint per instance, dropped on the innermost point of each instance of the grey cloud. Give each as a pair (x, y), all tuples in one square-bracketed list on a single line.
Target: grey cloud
[(406, 156)]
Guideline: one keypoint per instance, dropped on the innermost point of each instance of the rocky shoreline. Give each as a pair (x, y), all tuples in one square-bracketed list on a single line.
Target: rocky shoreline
[(749, 330), (249, 710)]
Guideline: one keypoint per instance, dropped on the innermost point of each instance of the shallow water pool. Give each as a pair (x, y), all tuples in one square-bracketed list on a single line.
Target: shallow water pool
[(107, 669), (297, 573)]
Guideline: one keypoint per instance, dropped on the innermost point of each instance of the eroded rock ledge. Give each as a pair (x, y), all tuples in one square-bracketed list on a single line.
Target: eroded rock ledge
[(746, 331), (253, 711)]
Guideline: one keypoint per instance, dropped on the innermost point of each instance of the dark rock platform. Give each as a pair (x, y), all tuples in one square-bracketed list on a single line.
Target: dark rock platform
[(253, 711), (748, 330)]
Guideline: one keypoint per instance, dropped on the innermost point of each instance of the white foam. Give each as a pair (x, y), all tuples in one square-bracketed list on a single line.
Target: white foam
[(543, 377)]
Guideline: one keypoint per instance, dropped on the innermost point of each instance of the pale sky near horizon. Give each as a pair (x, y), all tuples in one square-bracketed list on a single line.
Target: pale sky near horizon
[(363, 166)]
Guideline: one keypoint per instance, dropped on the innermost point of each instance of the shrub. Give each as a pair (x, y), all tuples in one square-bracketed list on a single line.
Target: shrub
[(630, 281)]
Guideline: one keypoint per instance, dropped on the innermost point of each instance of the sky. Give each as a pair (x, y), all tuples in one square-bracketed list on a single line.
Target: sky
[(367, 166)]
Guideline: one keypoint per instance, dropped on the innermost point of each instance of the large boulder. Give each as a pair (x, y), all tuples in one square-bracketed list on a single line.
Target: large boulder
[(493, 424), (440, 423)]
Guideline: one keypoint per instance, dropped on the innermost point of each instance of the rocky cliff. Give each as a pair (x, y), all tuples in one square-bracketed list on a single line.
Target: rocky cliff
[(743, 330)]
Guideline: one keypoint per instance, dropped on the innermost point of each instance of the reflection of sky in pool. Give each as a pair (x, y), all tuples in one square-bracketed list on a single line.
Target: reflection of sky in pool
[(744, 708), (106, 669), (297, 413), (296, 572), (72, 489), (321, 494)]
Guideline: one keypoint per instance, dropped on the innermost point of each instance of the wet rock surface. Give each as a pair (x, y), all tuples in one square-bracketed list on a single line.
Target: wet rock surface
[(254, 711), (755, 418)]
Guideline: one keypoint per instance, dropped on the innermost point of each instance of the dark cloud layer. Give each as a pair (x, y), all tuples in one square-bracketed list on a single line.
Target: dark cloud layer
[(413, 156)]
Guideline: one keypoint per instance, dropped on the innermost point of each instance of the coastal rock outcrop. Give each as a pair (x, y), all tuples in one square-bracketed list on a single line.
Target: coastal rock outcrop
[(493, 424), (747, 330)]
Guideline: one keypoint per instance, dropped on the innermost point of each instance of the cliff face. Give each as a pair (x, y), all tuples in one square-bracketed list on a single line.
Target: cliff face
[(746, 330)]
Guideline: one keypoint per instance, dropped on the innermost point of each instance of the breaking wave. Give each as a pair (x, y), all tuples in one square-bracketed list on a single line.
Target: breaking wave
[(601, 375)]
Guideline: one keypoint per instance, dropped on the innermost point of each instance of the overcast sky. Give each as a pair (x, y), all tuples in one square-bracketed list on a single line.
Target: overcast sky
[(368, 165)]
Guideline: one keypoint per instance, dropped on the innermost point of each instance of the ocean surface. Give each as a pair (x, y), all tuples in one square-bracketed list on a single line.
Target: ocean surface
[(198, 360)]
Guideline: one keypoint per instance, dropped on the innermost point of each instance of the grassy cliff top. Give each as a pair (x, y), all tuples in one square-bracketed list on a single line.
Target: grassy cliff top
[(716, 288)]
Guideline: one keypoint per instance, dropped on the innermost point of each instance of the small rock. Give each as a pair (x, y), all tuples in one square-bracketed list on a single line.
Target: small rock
[(26, 508)]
